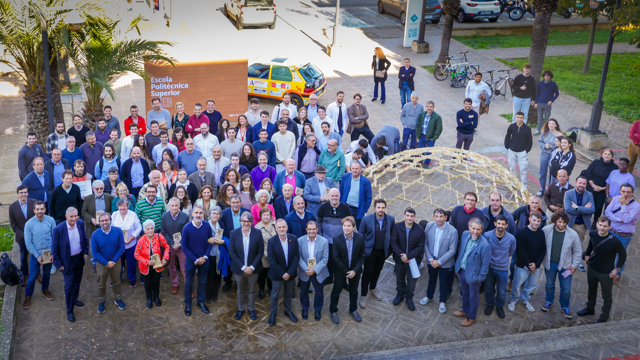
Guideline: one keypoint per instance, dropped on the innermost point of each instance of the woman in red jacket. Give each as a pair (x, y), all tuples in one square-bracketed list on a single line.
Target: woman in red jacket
[(151, 243)]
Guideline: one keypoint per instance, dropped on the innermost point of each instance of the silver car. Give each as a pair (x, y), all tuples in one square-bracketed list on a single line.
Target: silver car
[(399, 8), (251, 12)]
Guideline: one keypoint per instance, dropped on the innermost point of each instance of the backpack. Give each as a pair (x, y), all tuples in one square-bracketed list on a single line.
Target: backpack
[(9, 272)]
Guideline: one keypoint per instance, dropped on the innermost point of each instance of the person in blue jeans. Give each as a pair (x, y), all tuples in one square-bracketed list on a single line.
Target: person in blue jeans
[(38, 235), (561, 260), (409, 117), (623, 212), (380, 63), (502, 245), (405, 81), (531, 248), (428, 128)]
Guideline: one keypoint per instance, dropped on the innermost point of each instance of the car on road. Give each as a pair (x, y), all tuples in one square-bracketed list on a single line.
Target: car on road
[(478, 9), (251, 12), (399, 8), (270, 80)]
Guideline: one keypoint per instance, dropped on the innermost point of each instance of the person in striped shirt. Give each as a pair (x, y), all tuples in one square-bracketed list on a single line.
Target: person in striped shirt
[(151, 207)]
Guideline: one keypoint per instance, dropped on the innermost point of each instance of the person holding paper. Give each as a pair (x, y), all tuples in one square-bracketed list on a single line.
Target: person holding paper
[(38, 233), (197, 241), (407, 243), (282, 251), (472, 268), (171, 225), (312, 269), (349, 255), (107, 247), (564, 254), (503, 245)]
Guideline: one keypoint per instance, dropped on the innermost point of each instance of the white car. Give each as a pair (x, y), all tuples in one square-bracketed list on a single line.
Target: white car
[(251, 12), (478, 9)]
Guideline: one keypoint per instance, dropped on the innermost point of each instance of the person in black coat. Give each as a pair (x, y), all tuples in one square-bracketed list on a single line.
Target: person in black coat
[(64, 196), (227, 224), (56, 155), (283, 268), (406, 248), (597, 174), (283, 206), (349, 255), (192, 189), (17, 220), (379, 63), (125, 172), (406, 74)]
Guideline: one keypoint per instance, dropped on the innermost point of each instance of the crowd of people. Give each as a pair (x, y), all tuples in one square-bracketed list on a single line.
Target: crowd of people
[(275, 198)]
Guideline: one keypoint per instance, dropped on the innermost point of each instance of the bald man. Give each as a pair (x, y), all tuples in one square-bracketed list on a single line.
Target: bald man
[(329, 219), (289, 176), (134, 171), (333, 160)]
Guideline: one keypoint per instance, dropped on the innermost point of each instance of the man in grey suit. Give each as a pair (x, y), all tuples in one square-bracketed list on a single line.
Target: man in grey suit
[(312, 246), (440, 250), (579, 204), (202, 177), (376, 229), (472, 268), (216, 162), (314, 189)]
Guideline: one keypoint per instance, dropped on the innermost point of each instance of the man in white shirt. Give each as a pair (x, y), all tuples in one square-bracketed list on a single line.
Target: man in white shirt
[(128, 143), (474, 89), (355, 156), (363, 144), (164, 144), (216, 163), (205, 141), (312, 107), (285, 104), (338, 110), (253, 114), (321, 118)]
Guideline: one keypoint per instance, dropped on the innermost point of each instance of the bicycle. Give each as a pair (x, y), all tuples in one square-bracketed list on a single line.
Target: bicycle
[(504, 80), (442, 71), (459, 78)]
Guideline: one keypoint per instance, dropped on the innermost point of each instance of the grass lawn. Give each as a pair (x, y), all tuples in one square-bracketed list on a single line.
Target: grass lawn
[(6, 238), (555, 38), (622, 88), (509, 118), (429, 68)]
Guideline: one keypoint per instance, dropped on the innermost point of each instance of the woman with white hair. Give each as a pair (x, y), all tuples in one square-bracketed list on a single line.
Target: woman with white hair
[(128, 221), (148, 245), (262, 202)]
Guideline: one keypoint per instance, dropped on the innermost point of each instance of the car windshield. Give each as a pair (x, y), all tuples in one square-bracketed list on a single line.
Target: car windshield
[(258, 3), (310, 72)]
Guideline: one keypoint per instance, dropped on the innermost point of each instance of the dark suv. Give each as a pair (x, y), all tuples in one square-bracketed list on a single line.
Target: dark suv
[(399, 8)]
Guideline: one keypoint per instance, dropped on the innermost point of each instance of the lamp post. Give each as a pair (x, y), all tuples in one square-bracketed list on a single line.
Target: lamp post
[(598, 104), (335, 29)]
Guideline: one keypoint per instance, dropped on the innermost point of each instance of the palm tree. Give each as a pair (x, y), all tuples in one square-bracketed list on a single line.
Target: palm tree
[(540, 35), (450, 8), (100, 56), (21, 26)]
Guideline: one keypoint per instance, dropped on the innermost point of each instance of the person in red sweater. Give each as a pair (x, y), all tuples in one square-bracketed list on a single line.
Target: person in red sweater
[(195, 120), (634, 148), (134, 118)]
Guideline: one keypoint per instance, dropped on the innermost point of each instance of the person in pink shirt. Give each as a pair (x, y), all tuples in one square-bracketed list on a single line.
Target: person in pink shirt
[(262, 198), (195, 120), (634, 147)]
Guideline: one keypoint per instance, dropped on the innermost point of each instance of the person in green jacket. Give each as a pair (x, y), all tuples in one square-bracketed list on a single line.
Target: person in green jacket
[(333, 160), (428, 128)]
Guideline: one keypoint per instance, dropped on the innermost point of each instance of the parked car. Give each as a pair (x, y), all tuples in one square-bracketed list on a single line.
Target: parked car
[(272, 79), (478, 9), (251, 12), (399, 8)]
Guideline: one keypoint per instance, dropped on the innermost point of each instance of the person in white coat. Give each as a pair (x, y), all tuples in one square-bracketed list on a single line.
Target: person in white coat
[(474, 89), (322, 117), (205, 141), (337, 110), (128, 221), (285, 104)]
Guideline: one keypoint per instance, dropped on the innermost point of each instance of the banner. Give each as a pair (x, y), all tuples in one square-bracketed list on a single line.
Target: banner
[(224, 82), (412, 21)]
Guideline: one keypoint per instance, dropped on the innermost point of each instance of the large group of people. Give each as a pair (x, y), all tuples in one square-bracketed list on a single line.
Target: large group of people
[(276, 198)]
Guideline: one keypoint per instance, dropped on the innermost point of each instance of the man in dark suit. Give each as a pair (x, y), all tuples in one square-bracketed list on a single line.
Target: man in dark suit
[(376, 229), (246, 248), (283, 204), (70, 250), (56, 166), (405, 81), (38, 181), (297, 220), (230, 220), (349, 254), (134, 172), (282, 251), (99, 201), (407, 242), (19, 213)]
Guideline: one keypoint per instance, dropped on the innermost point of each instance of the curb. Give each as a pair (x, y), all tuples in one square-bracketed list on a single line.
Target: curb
[(9, 306)]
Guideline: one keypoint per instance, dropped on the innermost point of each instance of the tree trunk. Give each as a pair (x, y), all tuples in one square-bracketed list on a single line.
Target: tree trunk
[(35, 102), (592, 38), (91, 112), (63, 69), (58, 113), (539, 38), (446, 39)]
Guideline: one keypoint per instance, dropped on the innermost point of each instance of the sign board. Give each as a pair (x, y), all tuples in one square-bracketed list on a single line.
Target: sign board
[(412, 22), (224, 81)]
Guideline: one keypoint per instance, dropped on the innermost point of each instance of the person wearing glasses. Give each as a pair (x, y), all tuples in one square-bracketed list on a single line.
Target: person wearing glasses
[(306, 156)]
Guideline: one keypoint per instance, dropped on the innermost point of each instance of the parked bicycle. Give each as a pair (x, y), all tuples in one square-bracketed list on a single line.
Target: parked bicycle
[(459, 78), (442, 71), (499, 87)]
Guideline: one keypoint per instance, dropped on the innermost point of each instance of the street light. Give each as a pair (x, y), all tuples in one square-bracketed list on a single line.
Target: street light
[(335, 29), (75, 21)]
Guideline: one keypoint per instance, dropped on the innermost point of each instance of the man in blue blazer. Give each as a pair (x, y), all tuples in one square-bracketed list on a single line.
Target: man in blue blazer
[(579, 204), (70, 250), (297, 220), (360, 200), (134, 183), (246, 248), (37, 181), (230, 220), (376, 229), (405, 81), (314, 189), (289, 173), (282, 251), (283, 205), (472, 268)]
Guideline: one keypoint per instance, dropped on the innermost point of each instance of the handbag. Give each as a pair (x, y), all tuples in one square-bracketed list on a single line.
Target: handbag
[(380, 74)]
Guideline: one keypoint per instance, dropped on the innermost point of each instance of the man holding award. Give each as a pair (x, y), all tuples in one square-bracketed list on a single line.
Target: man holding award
[(312, 268), (197, 240), (38, 233), (171, 226)]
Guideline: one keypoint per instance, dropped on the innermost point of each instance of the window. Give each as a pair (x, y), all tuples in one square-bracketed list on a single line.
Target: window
[(260, 71), (281, 73)]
